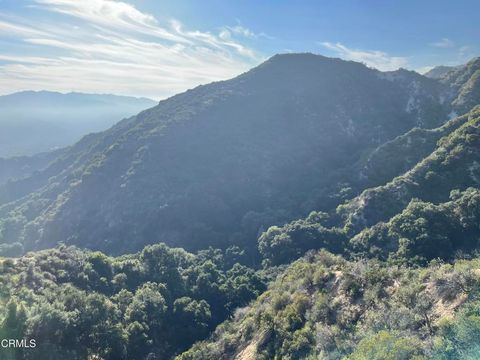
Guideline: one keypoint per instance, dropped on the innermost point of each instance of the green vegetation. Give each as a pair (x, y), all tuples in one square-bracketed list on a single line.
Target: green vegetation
[(464, 81), (324, 307), (453, 165), (76, 303), (424, 231)]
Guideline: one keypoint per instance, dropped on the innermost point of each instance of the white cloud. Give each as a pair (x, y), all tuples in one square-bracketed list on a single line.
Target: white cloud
[(19, 30), (373, 58), (112, 47), (443, 43), (240, 31), (111, 14), (243, 31), (246, 32)]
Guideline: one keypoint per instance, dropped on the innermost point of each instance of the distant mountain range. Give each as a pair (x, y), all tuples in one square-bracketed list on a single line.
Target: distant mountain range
[(37, 121)]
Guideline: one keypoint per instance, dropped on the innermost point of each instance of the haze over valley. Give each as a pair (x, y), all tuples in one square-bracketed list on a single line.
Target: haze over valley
[(39, 121)]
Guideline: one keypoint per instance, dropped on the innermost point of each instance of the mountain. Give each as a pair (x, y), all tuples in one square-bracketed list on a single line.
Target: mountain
[(390, 295), (416, 216), (216, 165), (452, 165), (38, 121), (19, 167), (353, 193), (465, 83), (439, 72)]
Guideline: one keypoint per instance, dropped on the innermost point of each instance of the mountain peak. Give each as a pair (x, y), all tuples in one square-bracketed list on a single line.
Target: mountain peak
[(297, 56), (254, 131), (474, 62)]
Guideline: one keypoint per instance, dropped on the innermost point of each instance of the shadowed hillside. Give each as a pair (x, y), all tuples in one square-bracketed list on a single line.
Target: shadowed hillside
[(218, 164)]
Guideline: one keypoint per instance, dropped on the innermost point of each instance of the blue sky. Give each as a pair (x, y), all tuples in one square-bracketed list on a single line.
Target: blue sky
[(156, 48)]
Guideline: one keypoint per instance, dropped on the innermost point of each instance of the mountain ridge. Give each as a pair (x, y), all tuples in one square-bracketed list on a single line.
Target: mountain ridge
[(354, 192), (324, 95)]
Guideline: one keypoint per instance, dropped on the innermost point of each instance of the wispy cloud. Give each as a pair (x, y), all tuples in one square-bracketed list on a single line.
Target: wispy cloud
[(373, 58), (443, 43), (111, 46), (240, 30), (458, 53), (19, 30)]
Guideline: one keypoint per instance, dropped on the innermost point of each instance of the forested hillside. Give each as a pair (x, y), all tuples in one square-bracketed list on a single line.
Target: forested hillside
[(217, 165), (453, 165), (321, 210), (429, 211), (77, 303)]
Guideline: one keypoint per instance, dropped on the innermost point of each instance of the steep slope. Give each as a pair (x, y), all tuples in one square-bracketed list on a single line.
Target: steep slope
[(454, 165), (395, 157), (464, 86), (38, 121), (323, 307), (439, 72), (432, 210), (24, 166), (217, 164)]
